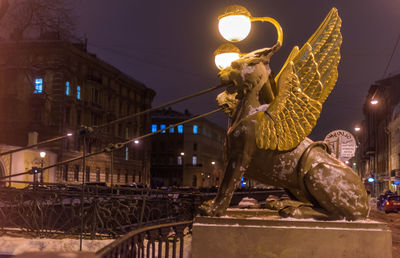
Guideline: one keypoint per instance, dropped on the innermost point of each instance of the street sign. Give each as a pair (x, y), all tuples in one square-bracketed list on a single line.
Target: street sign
[(343, 144)]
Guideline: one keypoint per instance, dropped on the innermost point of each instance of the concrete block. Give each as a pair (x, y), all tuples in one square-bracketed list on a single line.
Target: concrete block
[(252, 237)]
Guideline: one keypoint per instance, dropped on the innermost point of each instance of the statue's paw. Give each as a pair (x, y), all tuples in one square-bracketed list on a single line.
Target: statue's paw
[(304, 212), (208, 208)]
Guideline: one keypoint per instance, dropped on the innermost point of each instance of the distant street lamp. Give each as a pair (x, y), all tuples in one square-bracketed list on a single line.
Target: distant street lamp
[(374, 101), (182, 154), (42, 156), (357, 129), (234, 25)]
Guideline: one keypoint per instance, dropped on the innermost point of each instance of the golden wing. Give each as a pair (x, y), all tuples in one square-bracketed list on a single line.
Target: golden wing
[(305, 81)]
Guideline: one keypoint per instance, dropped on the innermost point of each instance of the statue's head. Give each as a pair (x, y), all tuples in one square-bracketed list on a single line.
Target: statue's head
[(243, 76)]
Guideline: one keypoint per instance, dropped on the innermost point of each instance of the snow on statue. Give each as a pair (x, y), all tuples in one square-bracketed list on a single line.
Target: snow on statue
[(270, 119)]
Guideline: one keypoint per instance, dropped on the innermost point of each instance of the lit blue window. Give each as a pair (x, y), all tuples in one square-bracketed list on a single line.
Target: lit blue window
[(195, 129), (180, 128), (171, 130), (67, 91), (153, 128), (162, 127), (78, 92), (38, 85), (194, 160), (126, 153)]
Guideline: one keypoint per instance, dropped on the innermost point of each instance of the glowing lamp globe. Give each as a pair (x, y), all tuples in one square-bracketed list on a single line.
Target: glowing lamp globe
[(374, 102), (225, 55), (224, 60), (235, 24)]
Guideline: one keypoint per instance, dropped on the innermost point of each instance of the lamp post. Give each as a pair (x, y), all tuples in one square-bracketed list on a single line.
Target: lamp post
[(376, 175), (234, 25), (42, 156)]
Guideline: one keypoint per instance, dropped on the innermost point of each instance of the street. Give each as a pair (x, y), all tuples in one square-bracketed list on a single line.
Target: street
[(393, 221)]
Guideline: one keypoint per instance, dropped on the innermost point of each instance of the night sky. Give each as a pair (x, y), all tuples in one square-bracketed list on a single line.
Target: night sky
[(169, 45)]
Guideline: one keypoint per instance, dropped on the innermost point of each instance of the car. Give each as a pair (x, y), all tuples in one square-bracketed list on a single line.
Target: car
[(383, 198), (392, 204)]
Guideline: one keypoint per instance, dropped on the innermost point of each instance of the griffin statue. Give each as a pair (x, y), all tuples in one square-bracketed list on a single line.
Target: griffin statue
[(269, 120)]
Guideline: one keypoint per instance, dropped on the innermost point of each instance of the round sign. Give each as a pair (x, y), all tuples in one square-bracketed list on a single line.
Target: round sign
[(343, 144)]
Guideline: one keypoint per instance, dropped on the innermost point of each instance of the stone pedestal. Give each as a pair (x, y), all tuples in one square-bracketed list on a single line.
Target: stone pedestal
[(272, 237)]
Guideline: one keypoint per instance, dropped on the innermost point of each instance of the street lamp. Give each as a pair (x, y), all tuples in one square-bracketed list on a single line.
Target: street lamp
[(374, 101), (234, 25), (225, 54), (42, 156), (357, 128)]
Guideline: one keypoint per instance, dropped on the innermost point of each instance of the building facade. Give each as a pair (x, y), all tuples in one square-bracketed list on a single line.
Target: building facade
[(379, 151), (187, 155), (53, 87)]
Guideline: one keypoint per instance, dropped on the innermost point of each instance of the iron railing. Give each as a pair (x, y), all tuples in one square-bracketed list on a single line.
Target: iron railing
[(48, 211), (54, 210), (166, 240)]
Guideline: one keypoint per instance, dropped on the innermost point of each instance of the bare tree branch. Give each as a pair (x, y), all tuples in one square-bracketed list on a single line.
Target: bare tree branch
[(38, 16)]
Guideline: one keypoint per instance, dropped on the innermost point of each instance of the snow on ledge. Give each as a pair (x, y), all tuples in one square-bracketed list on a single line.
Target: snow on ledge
[(19, 245)]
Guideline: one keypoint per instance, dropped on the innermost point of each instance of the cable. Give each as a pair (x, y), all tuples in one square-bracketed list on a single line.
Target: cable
[(162, 106), (390, 59), (35, 145), (114, 147), (174, 125), (146, 61)]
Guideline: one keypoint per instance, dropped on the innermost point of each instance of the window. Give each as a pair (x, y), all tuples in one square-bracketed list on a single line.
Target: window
[(195, 129), (107, 174), (180, 128), (179, 160), (162, 127), (194, 160), (171, 130), (78, 92), (153, 128), (194, 180), (87, 179), (38, 85), (126, 153), (119, 175), (67, 90), (65, 176), (195, 146), (76, 173), (67, 115), (97, 174), (78, 117)]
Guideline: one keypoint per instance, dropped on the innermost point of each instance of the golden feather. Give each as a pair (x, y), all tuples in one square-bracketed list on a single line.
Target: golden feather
[(304, 82)]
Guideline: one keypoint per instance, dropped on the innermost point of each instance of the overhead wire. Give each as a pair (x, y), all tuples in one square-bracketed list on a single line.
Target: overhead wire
[(114, 147), (391, 56)]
